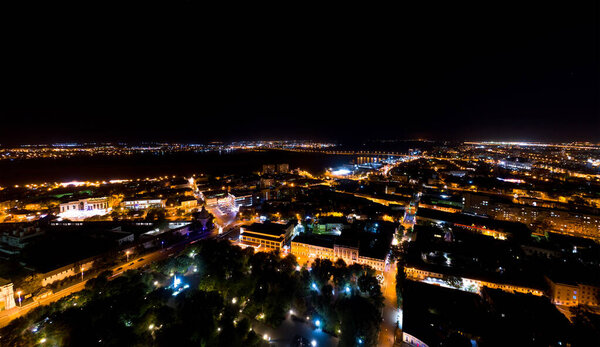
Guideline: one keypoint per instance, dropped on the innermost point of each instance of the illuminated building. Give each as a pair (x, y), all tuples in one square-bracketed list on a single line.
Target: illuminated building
[(142, 204), (7, 296), (561, 221), (313, 247), (267, 182), (484, 226), (268, 169), (516, 164), (185, 203), (217, 198), (243, 198), (189, 203), (431, 277), (89, 204), (283, 168), (84, 208), (332, 225), (66, 271), (266, 236), (571, 293)]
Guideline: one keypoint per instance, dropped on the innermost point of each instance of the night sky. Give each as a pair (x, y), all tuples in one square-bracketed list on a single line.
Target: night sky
[(194, 74)]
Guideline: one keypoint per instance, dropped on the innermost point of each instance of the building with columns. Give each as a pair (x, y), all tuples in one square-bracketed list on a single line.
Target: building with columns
[(308, 248), (7, 295)]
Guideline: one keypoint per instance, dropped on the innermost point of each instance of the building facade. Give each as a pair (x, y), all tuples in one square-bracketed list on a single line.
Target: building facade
[(89, 204), (142, 204), (422, 275), (573, 294), (350, 255), (7, 295), (266, 236)]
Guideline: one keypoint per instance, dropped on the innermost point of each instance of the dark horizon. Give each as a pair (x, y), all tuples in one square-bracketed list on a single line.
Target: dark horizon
[(454, 73)]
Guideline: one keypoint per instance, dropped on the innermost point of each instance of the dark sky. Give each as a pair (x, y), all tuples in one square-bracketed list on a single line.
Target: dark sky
[(193, 74)]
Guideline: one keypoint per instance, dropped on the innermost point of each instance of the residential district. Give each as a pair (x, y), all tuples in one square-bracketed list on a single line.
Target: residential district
[(452, 244)]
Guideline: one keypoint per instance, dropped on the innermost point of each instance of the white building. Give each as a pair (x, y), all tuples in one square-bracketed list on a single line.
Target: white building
[(142, 204), (84, 208), (7, 295)]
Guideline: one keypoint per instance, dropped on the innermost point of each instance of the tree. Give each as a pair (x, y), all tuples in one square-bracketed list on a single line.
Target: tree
[(341, 274), (359, 320), (322, 270), (400, 281), (453, 281)]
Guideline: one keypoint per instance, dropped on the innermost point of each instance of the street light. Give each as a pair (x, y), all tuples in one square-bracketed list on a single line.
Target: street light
[(82, 273), (19, 294), (127, 254)]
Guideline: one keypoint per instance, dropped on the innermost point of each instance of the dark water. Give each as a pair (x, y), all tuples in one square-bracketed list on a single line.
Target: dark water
[(152, 165)]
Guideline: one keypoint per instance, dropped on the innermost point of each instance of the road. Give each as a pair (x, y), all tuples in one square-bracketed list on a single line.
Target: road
[(390, 310), (8, 315)]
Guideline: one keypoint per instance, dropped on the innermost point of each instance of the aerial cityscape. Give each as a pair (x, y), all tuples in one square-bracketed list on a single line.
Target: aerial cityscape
[(177, 175)]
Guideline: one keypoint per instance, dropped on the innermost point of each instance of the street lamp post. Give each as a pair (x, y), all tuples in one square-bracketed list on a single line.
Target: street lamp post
[(127, 254), (19, 294), (82, 273)]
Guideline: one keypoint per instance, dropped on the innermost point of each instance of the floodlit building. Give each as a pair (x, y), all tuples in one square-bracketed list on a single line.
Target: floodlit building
[(563, 221), (433, 277), (317, 247), (7, 295), (516, 164), (84, 208), (243, 198), (219, 197), (90, 204), (570, 293), (266, 236), (142, 204), (189, 203)]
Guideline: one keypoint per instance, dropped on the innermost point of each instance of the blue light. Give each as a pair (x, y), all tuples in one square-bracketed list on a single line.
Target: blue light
[(318, 323), (347, 290), (314, 286)]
